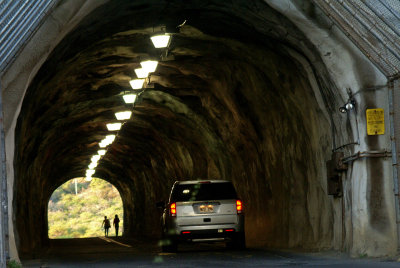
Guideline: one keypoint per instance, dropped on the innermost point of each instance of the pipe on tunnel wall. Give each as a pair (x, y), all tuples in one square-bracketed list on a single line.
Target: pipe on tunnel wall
[(4, 220), (394, 97)]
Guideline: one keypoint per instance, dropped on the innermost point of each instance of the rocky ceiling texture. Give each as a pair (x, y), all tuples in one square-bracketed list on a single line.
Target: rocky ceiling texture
[(232, 104)]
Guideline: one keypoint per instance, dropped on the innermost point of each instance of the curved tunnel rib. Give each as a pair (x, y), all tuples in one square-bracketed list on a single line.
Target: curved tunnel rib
[(225, 107)]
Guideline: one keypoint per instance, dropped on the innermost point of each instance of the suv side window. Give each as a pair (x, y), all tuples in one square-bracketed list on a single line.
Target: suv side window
[(202, 192)]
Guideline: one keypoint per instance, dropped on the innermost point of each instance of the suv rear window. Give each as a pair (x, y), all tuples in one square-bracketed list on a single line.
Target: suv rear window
[(203, 192)]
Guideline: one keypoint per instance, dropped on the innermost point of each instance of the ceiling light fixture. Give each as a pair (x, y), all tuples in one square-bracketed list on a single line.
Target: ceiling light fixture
[(149, 65), (129, 98), (103, 144), (88, 178), (107, 141), (114, 126), (110, 138), (92, 165), (137, 83), (141, 73), (161, 40), (101, 152), (90, 172), (125, 115), (95, 158)]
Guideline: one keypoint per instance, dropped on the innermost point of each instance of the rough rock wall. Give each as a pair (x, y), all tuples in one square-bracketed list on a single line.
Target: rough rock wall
[(234, 104)]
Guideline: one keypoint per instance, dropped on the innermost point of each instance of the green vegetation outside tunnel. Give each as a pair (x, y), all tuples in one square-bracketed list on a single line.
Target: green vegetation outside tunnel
[(77, 208)]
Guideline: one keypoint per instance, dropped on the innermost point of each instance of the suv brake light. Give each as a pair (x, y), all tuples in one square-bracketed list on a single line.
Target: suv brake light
[(173, 209), (239, 206)]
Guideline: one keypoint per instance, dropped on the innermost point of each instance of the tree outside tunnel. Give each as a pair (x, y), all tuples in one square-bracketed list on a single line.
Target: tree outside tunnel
[(77, 208)]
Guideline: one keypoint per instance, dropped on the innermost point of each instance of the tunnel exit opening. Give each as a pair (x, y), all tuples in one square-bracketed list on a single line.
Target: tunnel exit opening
[(77, 208)]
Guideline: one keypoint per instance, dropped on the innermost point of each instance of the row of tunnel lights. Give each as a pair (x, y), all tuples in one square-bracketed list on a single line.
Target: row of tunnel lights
[(160, 40)]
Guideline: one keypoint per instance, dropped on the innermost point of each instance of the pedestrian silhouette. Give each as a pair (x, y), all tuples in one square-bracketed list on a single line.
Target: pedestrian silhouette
[(107, 225), (116, 224)]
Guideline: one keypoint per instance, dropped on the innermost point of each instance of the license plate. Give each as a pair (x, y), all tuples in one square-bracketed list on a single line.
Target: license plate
[(206, 208)]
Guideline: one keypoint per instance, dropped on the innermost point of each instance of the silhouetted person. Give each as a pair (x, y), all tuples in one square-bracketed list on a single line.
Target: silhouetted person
[(107, 225), (116, 224)]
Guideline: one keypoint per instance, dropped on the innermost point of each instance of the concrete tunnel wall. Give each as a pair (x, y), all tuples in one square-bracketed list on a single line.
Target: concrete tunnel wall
[(255, 103)]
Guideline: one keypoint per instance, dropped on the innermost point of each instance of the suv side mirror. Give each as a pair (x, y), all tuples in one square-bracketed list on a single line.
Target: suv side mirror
[(161, 205)]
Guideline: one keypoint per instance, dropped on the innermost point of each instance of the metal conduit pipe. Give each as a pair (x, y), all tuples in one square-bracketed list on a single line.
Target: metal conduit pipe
[(369, 28), (13, 33), (3, 4), (372, 7), (14, 21), (346, 5), (7, 12), (20, 34), (4, 233), (365, 154), (389, 8), (327, 6), (394, 160), (25, 31)]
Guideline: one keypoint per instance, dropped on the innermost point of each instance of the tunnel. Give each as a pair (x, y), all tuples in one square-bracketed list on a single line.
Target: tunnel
[(243, 95)]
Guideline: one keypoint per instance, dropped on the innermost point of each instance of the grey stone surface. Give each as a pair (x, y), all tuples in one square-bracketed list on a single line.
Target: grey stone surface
[(251, 96)]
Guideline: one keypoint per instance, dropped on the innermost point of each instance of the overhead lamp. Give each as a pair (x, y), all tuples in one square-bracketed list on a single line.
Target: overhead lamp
[(92, 165), (107, 141), (88, 178), (94, 161), (141, 73), (90, 172), (101, 152), (114, 126), (129, 98), (125, 115), (137, 83), (161, 40), (103, 144), (95, 158), (149, 65), (110, 138)]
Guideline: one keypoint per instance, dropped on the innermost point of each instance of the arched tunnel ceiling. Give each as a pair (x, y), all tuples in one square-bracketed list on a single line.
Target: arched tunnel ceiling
[(232, 104)]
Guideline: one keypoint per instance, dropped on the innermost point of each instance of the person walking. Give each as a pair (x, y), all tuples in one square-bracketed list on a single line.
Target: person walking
[(116, 224), (107, 225)]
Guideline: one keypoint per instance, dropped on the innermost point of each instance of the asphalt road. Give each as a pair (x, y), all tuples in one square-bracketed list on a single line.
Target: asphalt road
[(111, 252)]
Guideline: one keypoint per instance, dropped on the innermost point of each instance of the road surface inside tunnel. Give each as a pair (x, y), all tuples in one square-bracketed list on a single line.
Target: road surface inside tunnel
[(123, 252)]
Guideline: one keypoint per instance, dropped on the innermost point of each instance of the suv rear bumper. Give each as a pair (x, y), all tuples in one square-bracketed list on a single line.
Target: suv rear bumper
[(220, 234), (211, 232)]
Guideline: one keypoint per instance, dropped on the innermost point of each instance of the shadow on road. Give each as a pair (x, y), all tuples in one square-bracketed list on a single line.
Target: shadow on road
[(124, 252)]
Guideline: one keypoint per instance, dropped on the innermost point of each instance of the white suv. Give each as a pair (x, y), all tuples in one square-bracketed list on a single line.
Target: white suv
[(202, 211)]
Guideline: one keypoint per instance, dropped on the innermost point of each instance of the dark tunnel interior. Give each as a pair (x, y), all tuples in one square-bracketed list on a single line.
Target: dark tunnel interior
[(232, 103)]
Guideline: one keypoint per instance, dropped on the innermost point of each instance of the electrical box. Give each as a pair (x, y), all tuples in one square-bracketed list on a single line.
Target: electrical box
[(334, 167)]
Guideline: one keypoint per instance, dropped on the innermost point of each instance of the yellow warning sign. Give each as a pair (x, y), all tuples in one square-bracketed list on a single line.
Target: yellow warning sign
[(375, 121)]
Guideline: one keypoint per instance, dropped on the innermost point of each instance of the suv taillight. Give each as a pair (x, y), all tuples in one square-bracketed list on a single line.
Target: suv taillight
[(172, 209), (239, 206)]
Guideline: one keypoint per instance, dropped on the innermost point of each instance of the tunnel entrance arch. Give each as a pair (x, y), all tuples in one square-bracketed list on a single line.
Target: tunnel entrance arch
[(77, 207), (232, 105)]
